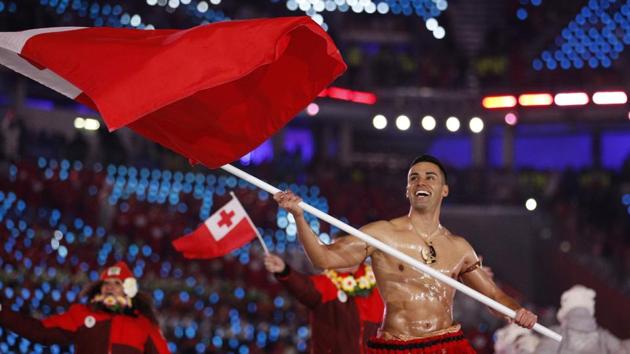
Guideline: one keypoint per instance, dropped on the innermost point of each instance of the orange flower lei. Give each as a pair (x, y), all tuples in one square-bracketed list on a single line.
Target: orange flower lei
[(361, 286)]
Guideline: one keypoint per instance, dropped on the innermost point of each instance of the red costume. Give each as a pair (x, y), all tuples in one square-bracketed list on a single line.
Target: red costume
[(336, 327), (93, 329)]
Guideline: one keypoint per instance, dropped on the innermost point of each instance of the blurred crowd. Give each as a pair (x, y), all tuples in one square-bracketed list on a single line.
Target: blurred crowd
[(65, 214), (63, 228)]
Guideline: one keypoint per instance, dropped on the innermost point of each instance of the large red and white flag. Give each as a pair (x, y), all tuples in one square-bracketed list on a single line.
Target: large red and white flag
[(211, 93), (224, 231)]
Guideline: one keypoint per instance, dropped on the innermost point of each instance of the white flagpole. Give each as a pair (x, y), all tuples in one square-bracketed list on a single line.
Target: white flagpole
[(262, 242), (393, 252)]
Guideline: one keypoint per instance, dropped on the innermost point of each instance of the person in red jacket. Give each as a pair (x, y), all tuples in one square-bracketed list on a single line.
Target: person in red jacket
[(345, 307), (116, 320)]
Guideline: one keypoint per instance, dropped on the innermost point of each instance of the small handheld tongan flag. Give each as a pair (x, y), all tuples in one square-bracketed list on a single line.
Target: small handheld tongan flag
[(224, 231)]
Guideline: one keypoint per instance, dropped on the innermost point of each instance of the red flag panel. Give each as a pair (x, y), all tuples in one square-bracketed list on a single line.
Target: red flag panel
[(211, 93), (202, 245)]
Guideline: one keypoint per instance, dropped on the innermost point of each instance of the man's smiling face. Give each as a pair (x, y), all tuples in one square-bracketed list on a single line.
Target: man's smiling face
[(425, 186)]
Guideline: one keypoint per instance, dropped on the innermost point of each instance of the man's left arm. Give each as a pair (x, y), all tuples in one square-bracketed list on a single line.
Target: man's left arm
[(475, 277)]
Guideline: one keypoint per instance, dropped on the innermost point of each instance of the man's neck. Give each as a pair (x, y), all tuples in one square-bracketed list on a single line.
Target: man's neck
[(425, 221)]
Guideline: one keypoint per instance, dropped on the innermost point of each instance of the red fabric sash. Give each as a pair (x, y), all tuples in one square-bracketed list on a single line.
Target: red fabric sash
[(449, 343)]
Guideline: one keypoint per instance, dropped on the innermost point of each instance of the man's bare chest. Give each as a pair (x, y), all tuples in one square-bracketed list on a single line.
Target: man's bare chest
[(443, 256)]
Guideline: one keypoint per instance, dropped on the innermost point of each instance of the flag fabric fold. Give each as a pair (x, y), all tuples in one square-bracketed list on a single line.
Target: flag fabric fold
[(224, 231), (211, 93)]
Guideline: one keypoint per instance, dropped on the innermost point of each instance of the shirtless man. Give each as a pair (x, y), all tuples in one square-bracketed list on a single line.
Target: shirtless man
[(418, 308)]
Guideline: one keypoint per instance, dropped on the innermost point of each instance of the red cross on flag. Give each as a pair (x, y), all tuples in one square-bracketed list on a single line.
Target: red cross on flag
[(224, 231)]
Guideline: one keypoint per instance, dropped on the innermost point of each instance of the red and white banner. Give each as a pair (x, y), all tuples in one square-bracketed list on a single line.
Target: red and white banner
[(224, 231), (211, 93)]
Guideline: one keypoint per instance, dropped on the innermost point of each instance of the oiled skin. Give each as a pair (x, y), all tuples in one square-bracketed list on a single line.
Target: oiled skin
[(416, 305)]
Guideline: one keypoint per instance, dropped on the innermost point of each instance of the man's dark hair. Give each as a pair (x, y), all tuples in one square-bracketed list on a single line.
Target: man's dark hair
[(433, 160)]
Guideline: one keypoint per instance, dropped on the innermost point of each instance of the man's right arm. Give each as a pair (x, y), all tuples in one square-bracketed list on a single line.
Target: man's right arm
[(343, 252)]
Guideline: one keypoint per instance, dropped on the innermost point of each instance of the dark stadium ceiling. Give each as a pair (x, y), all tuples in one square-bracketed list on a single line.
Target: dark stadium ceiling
[(434, 56)]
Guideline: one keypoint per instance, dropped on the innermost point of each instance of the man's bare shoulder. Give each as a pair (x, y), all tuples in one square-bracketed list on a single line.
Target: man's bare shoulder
[(400, 222), (463, 247), (380, 225), (384, 229), (460, 242), (388, 225)]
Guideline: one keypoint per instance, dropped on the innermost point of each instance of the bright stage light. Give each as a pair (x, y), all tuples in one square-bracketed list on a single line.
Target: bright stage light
[(610, 97), (428, 123), (476, 125), (571, 99), (511, 119), (402, 122), (452, 124), (379, 122), (535, 99), (491, 102)]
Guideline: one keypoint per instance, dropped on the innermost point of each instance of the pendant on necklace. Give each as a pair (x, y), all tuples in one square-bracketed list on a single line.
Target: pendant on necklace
[(429, 255)]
